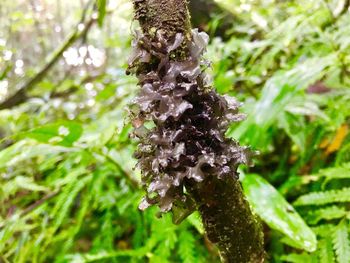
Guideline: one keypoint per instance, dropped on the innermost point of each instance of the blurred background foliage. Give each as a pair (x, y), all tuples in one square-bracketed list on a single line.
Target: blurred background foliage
[(68, 190)]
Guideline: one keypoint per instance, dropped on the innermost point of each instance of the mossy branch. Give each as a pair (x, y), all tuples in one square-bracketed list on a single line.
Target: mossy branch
[(187, 148)]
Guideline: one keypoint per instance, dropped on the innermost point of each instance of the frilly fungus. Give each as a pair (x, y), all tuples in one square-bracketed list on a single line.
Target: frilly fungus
[(186, 140)]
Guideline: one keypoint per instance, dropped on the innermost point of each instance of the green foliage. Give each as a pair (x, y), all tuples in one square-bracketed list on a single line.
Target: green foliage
[(187, 247), (341, 242), (101, 4), (62, 133), (68, 188), (326, 254), (326, 197), (296, 258), (277, 212), (326, 213)]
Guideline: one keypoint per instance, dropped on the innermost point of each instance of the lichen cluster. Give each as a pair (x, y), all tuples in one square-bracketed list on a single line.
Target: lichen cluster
[(179, 120)]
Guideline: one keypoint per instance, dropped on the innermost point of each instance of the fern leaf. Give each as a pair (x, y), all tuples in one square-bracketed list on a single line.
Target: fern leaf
[(164, 250), (297, 258), (187, 247), (341, 244), (63, 212), (343, 154), (326, 254), (336, 172), (327, 213), (326, 197), (340, 172), (323, 230)]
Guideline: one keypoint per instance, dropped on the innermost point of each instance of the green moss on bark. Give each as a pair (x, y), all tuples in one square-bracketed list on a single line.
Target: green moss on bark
[(170, 16)]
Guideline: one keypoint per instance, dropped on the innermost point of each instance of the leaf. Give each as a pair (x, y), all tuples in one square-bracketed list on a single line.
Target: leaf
[(277, 92), (271, 206), (24, 150), (195, 220), (326, 197), (81, 214), (297, 258), (294, 126), (100, 255), (341, 172), (343, 154), (66, 199), (326, 254), (327, 213), (62, 133), (20, 182), (29, 184), (108, 92), (187, 247), (337, 142), (328, 174), (341, 242), (307, 108), (103, 130), (101, 4), (7, 232), (323, 230)]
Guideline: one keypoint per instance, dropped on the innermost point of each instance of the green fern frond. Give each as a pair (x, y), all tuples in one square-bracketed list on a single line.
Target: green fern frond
[(326, 197), (343, 154), (323, 230), (164, 249), (66, 201), (341, 244), (159, 246), (297, 258), (327, 213), (187, 247), (326, 254), (340, 172)]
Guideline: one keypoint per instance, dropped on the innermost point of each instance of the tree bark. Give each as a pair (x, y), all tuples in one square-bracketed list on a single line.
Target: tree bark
[(228, 220), (169, 16), (226, 214)]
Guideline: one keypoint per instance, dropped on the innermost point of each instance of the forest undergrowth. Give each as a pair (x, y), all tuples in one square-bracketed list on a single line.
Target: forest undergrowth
[(68, 188)]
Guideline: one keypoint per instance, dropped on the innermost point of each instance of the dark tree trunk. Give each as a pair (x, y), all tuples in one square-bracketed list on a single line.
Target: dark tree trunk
[(226, 214), (228, 220)]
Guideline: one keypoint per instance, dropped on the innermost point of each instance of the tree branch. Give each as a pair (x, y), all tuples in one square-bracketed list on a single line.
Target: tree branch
[(342, 8), (20, 95), (38, 203), (205, 165)]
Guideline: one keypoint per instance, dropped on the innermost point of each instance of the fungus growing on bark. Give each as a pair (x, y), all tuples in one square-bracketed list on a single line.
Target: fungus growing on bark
[(179, 120), (187, 141)]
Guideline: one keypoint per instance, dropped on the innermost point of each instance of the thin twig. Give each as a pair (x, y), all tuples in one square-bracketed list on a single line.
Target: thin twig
[(21, 95), (342, 9), (38, 203)]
